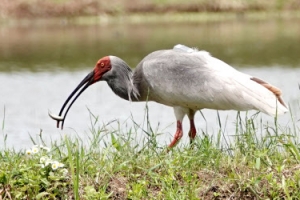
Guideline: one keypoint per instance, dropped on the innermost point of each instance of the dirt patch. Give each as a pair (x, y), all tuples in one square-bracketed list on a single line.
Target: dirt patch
[(117, 185)]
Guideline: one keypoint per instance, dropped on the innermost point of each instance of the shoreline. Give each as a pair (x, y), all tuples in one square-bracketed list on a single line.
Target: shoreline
[(134, 11), (150, 18), (20, 9)]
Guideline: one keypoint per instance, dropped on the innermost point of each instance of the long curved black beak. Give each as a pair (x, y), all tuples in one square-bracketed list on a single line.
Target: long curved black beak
[(85, 83)]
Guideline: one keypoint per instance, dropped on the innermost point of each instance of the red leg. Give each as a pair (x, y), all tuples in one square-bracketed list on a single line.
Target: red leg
[(192, 132), (178, 135)]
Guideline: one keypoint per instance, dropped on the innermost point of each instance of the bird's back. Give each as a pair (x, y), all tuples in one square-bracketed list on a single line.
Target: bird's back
[(190, 78)]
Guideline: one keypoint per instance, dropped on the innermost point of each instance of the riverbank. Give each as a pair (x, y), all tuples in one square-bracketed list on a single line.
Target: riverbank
[(154, 18), (20, 9), (262, 162)]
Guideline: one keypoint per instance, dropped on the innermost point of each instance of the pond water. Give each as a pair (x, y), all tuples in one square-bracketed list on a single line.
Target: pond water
[(41, 64)]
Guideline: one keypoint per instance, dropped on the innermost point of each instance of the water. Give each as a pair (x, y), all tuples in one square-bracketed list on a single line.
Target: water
[(40, 66)]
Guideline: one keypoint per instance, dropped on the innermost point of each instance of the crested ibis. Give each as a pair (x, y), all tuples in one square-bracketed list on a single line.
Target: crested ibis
[(187, 80)]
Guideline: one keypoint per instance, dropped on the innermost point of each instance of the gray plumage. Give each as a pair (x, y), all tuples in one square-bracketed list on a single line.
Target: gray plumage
[(185, 79), (191, 79)]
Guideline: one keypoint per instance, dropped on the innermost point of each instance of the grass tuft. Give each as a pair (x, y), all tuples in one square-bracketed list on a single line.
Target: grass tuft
[(261, 162)]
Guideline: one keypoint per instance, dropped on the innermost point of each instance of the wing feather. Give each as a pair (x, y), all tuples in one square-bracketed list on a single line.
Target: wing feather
[(197, 80)]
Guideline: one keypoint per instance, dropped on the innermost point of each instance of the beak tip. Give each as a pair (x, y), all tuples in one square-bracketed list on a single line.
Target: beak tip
[(85, 83), (55, 117)]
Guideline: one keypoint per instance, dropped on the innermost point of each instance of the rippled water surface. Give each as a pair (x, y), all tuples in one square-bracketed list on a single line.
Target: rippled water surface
[(41, 65)]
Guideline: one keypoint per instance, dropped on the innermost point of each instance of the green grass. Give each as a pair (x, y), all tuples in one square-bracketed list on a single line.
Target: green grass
[(263, 162)]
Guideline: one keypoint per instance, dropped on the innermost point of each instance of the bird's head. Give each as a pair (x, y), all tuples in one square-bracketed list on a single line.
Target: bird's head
[(102, 67)]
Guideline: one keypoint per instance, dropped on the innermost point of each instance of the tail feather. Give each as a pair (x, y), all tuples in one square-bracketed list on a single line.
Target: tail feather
[(276, 91)]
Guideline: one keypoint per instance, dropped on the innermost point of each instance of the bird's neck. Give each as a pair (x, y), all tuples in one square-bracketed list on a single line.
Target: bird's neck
[(127, 92), (122, 84)]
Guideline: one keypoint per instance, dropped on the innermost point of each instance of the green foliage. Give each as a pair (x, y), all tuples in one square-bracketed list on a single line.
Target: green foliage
[(23, 175), (262, 162)]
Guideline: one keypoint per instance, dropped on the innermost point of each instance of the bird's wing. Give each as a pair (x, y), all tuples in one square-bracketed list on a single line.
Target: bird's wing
[(197, 80)]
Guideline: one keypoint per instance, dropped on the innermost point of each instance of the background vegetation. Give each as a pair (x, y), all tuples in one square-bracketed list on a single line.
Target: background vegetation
[(69, 8)]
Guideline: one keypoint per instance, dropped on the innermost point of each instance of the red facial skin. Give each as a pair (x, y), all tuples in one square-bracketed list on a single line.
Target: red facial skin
[(103, 65)]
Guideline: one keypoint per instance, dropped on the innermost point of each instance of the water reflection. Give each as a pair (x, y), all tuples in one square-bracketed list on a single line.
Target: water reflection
[(41, 65), (241, 43)]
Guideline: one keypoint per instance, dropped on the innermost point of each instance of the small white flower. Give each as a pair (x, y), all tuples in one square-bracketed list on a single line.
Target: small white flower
[(55, 165), (48, 161), (45, 148), (34, 149), (43, 159), (61, 165), (28, 152), (42, 166)]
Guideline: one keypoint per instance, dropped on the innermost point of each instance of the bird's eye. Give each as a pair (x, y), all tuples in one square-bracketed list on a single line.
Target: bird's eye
[(102, 64)]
